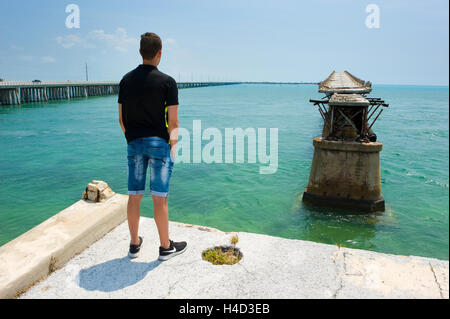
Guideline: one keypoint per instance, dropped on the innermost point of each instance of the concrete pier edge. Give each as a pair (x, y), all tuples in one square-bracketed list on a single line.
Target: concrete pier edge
[(31, 266), (43, 249), (371, 147)]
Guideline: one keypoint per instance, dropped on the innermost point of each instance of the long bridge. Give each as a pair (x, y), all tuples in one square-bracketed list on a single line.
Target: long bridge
[(16, 93)]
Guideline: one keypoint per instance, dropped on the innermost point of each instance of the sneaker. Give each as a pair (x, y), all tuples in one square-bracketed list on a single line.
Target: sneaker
[(173, 250), (134, 249)]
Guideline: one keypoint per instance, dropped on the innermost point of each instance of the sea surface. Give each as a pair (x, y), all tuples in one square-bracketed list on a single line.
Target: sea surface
[(50, 151)]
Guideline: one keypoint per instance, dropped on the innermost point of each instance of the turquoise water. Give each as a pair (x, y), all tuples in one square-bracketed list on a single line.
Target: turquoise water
[(50, 151)]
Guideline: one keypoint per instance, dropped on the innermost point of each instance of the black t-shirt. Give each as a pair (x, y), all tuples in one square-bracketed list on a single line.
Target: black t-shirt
[(144, 94)]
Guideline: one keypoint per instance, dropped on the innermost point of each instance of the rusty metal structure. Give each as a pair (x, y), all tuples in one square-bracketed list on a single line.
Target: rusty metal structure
[(347, 112)]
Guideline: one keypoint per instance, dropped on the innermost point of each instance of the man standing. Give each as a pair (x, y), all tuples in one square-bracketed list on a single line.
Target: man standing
[(148, 112)]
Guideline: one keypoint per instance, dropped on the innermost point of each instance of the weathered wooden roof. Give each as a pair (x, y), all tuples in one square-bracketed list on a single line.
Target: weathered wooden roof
[(344, 82), (339, 99)]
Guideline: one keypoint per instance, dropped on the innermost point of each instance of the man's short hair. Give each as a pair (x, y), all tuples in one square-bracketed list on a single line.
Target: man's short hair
[(151, 44)]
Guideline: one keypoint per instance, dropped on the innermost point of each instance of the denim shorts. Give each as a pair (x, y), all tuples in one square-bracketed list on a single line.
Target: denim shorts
[(153, 152)]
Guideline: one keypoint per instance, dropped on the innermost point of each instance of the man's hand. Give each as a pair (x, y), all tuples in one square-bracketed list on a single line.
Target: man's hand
[(120, 118), (173, 149), (172, 113)]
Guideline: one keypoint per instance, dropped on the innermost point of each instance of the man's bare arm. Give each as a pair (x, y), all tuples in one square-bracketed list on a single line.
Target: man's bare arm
[(172, 112), (120, 118)]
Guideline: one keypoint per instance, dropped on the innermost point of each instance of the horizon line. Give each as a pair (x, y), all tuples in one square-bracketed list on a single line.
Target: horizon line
[(5, 81)]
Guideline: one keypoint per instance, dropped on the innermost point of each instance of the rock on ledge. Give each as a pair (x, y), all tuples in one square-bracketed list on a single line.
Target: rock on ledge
[(97, 191)]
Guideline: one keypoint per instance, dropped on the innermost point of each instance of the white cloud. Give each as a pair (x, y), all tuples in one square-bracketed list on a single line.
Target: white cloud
[(69, 40), (48, 59), (169, 41), (119, 40), (26, 58), (16, 47)]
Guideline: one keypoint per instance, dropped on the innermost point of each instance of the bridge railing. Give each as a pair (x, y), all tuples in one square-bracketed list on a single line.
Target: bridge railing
[(54, 83)]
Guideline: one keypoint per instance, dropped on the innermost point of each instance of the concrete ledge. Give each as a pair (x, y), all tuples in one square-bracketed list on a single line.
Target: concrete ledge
[(371, 147), (272, 267), (348, 100), (48, 246)]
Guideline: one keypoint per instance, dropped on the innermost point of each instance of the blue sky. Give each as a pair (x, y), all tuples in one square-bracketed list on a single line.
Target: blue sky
[(241, 40)]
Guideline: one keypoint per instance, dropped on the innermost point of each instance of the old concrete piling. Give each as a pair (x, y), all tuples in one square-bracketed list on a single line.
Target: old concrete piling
[(345, 170), (345, 174), (16, 93)]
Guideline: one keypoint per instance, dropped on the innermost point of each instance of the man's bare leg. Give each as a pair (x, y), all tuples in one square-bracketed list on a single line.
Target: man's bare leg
[(161, 216), (134, 213)]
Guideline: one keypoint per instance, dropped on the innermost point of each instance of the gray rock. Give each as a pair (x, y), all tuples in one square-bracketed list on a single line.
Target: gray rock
[(97, 191)]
